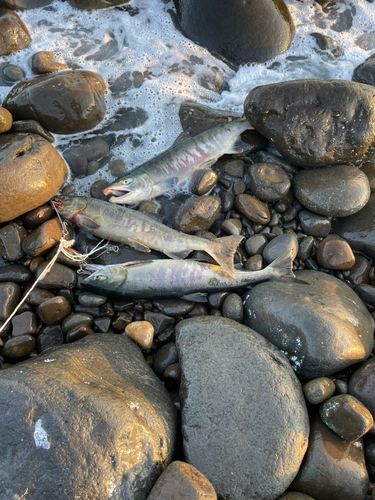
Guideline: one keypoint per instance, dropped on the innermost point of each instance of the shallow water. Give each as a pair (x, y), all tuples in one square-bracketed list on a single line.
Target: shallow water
[(151, 68)]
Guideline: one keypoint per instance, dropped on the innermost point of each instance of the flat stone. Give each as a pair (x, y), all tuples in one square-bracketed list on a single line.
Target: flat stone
[(253, 209), (59, 276), (337, 191), (332, 468), (11, 238), (39, 216), (268, 181), (287, 242), (318, 390), (32, 127), (142, 332), (9, 298), (165, 356), (44, 62), (6, 120), (314, 224), (250, 370), (362, 384), (54, 310), (43, 238), (24, 323), (173, 307), (197, 214), (115, 408), (49, 336), (14, 34), (182, 481), (31, 172), (17, 273), (325, 320), (78, 332), (335, 253)]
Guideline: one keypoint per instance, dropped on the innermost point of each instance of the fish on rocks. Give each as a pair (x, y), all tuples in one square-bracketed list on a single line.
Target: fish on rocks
[(177, 164), (186, 279), (123, 225)]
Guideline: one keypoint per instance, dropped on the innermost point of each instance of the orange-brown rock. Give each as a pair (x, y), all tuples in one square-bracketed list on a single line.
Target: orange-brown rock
[(335, 253), (14, 34), (142, 332), (6, 120), (31, 172)]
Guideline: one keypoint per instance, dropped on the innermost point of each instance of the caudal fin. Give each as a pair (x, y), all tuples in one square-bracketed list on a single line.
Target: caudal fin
[(282, 267), (223, 250)]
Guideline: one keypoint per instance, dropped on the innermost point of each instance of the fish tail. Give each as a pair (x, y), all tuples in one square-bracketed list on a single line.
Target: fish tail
[(282, 267), (223, 250)]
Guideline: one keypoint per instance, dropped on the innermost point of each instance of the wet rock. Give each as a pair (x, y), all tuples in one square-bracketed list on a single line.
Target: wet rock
[(9, 74), (6, 120), (369, 169), (342, 132), (17, 273), (265, 157), (44, 62), (59, 276), (25, 4), (197, 214), (359, 229), (95, 4), (75, 319), (18, 347), (181, 480), (268, 181), (49, 336), (333, 469), (11, 238), (14, 34), (39, 216), (43, 238), (359, 273), (346, 416), (159, 321), (32, 127), (173, 307), (314, 224), (31, 172), (253, 209), (232, 226), (255, 244), (336, 191), (251, 369), (318, 390), (233, 168), (365, 72), (165, 356), (78, 332), (328, 44), (115, 403), (323, 321), (54, 310), (142, 332), (24, 323), (211, 25), (204, 182), (362, 385), (63, 103), (38, 296), (233, 308), (96, 190), (335, 253), (283, 243), (91, 299), (305, 247), (9, 297)]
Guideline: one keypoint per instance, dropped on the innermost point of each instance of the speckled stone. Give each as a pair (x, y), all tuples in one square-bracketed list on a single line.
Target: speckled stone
[(44, 62), (6, 120), (43, 238), (314, 224), (14, 34), (318, 390), (233, 308), (18, 347), (335, 253), (142, 332), (197, 214), (253, 209), (268, 181), (287, 242), (11, 238)]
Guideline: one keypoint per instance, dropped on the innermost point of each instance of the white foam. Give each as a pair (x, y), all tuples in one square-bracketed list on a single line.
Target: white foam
[(149, 43)]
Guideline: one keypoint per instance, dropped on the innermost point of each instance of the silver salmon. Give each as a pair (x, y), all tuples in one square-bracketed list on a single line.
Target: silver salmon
[(124, 225), (186, 279), (174, 166)]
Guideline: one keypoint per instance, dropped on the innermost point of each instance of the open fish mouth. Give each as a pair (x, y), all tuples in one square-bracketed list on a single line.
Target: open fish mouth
[(57, 203), (116, 191)]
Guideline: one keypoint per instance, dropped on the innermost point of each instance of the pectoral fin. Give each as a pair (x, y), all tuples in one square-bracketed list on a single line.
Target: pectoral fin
[(237, 147), (178, 255), (137, 245), (86, 221), (195, 297)]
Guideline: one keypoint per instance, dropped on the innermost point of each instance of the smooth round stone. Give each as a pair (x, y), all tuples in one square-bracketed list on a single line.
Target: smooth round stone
[(328, 44), (337, 191), (43, 238), (233, 168), (365, 73), (359, 273), (165, 356), (64, 103), (233, 308), (197, 214), (24, 323), (173, 307), (10, 73), (59, 276), (142, 332), (6, 120), (159, 321), (239, 187), (305, 247), (314, 224), (324, 320), (198, 310), (54, 310), (253, 209), (38, 296), (31, 172), (172, 376), (9, 298), (39, 216), (318, 390), (341, 386), (255, 244), (265, 157), (96, 190), (117, 168), (216, 299), (369, 169), (49, 336), (268, 181), (18, 347), (44, 62), (232, 226), (227, 201), (287, 242), (346, 416), (346, 106), (32, 127), (14, 34), (261, 31), (78, 332), (91, 299), (181, 480), (242, 366), (362, 385), (365, 291), (17, 273), (335, 253), (75, 319), (204, 183), (254, 263), (332, 468), (11, 238)]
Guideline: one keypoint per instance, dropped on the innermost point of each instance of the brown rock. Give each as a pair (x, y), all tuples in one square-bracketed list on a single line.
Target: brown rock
[(43, 238), (252, 208), (11, 238), (31, 172), (14, 34), (78, 332), (54, 310), (204, 183), (197, 214), (59, 276), (335, 253), (23, 324), (38, 216), (142, 332), (6, 120), (18, 347), (44, 62)]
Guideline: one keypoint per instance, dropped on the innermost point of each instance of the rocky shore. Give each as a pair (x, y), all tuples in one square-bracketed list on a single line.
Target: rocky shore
[(262, 393)]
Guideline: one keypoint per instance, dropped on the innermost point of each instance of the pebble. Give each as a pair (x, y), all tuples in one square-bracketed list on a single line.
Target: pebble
[(341, 386), (294, 495), (365, 291), (239, 187), (233, 308), (17, 273), (369, 169), (197, 214), (38, 216), (254, 263), (198, 309), (52, 311), (216, 299), (122, 320), (117, 168), (10, 73), (75, 319), (268, 181), (44, 62), (255, 244), (24, 323), (173, 307), (78, 332), (32, 127), (314, 224), (232, 226), (9, 298), (165, 356), (6, 120), (49, 336), (318, 390), (172, 376), (159, 321), (359, 273), (346, 416), (305, 247), (18, 347), (142, 332), (253, 209), (96, 190), (15, 36), (102, 325), (150, 207), (59, 276), (287, 242), (335, 253), (37, 296), (11, 238), (233, 168), (205, 182), (227, 201), (328, 44), (91, 299), (43, 238), (362, 385)]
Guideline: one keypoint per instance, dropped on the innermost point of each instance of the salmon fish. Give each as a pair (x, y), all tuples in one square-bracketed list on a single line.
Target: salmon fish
[(124, 225), (185, 279), (174, 166)]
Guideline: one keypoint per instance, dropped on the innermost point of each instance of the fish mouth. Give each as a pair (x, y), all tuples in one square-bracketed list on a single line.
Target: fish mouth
[(116, 190), (130, 197), (57, 203)]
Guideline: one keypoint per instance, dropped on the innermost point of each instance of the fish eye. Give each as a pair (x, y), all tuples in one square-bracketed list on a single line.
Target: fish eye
[(100, 278), (127, 181)]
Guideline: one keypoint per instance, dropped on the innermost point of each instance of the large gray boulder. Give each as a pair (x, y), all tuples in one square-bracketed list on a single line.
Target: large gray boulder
[(322, 326), (315, 123), (244, 419), (88, 420)]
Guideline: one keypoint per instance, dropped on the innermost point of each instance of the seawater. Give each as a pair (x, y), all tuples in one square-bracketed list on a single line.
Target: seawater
[(139, 44)]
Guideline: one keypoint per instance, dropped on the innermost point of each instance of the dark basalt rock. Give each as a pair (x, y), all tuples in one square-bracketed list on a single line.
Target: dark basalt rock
[(24, 4), (315, 123), (64, 103), (241, 32), (95, 4), (365, 72), (14, 34), (93, 402)]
